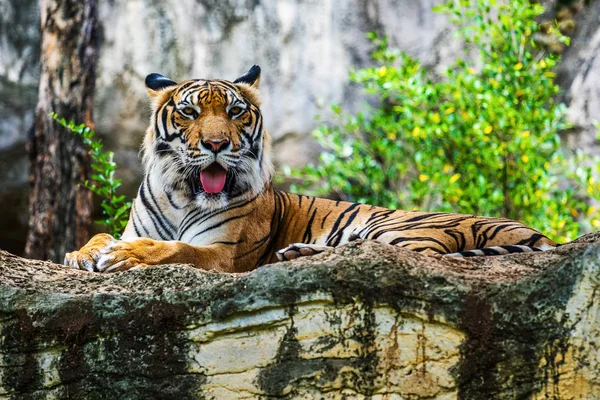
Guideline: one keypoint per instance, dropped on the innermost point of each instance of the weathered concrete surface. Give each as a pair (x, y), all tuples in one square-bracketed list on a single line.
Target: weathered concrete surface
[(368, 321)]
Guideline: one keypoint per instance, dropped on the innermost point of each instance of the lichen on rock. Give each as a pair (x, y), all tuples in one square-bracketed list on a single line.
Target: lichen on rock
[(367, 320)]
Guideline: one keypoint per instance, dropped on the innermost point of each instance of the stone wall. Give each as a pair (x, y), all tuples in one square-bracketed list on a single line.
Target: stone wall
[(19, 75), (365, 321), (305, 48), (579, 76)]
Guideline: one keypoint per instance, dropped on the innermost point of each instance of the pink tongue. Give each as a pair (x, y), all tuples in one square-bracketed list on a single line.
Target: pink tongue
[(213, 179)]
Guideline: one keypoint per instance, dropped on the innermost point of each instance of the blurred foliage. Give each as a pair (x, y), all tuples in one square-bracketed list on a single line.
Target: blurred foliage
[(482, 139), (115, 208)]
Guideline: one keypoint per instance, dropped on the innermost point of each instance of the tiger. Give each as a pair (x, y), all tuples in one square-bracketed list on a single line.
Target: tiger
[(207, 197)]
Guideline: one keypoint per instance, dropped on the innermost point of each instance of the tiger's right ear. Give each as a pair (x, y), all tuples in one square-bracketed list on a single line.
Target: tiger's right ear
[(156, 83), (251, 78)]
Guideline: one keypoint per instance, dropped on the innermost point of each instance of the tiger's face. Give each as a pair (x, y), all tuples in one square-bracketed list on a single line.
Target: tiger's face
[(207, 139)]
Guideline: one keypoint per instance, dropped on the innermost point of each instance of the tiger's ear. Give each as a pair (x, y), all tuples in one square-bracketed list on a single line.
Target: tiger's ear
[(252, 77), (156, 83)]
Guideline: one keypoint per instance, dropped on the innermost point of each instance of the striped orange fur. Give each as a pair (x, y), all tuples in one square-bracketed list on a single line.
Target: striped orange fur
[(207, 197)]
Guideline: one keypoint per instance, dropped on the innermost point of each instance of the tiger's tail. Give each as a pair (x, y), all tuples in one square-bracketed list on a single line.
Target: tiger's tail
[(501, 250)]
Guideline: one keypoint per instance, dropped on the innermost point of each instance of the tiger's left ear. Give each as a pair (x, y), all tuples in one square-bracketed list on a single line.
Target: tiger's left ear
[(252, 77), (156, 83)]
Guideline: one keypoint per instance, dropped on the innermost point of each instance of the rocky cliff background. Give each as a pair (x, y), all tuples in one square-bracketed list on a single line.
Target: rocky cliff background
[(305, 48)]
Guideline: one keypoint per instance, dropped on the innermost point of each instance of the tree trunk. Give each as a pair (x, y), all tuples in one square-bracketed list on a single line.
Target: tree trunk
[(60, 208), (365, 321)]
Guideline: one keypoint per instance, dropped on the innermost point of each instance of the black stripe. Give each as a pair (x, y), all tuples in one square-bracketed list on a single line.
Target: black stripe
[(259, 243), (532, 239), (157, 130), (513, 249), (219, 224), (147, 234), (395, 225), (152, 214), (380, 215), (135, 228), (276, 217), (164, 218), (189, 220), (371, 224), (408, 240), (434, 226), (420, 249), (169, 137), (490, 252), (348, 222), (459, 238), (334, 231), (425, 216), (263, 239), (308, 231), (225, 84), (183, 87), (197, 217), (497, 230), (381, 232), (259, 126), (163, 149), (175, 206), (475, 233), (310, 206), (228, 243), (325, 218), (252, 250)]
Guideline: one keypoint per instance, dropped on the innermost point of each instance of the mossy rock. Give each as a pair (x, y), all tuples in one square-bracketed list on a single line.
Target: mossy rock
[(367, 321)]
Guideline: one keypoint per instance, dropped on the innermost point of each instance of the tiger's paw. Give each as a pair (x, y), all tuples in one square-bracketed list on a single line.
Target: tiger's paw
[(103, 253), (296, 250)]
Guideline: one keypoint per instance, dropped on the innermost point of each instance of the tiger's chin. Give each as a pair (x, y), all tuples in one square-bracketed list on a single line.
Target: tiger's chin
[(212, 201), (216, 201)]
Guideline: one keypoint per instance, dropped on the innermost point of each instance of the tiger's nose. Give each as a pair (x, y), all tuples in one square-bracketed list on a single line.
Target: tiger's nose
[(215, 145)]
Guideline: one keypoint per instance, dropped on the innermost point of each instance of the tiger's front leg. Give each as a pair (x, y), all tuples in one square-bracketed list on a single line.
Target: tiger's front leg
[(103, 253)]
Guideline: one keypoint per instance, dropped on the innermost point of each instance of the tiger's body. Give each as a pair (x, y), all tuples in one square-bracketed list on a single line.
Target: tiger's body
[(207, 198)]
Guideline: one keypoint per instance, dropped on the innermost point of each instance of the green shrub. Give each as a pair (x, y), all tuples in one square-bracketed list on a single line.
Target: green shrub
[(482, 139), (115, 208)]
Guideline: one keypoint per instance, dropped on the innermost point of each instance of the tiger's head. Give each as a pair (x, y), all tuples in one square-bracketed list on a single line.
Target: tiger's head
[(206, 138)]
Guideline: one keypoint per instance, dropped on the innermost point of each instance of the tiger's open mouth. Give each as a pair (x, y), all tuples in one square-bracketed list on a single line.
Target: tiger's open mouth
[(211, 179)]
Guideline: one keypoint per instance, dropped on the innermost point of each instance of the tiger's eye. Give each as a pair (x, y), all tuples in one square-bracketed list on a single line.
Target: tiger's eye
[(188, 110), (235, 110)]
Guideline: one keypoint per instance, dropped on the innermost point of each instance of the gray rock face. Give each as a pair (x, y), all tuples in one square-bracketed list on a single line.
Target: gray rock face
[(19, 75), (306, 49), (579, 75), (366, 321)]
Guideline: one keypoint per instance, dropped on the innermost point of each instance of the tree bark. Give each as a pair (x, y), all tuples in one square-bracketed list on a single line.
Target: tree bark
[(365, 321), (60, 207)]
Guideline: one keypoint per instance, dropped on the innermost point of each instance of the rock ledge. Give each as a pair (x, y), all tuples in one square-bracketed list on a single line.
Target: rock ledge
[(365, 321)]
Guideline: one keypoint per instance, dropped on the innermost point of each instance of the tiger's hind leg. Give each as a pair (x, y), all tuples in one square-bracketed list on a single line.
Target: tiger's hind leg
[(296, 250)]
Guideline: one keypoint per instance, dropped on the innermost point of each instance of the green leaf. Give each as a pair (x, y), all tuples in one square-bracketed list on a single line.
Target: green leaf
[(102, 182), (471, 123)]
